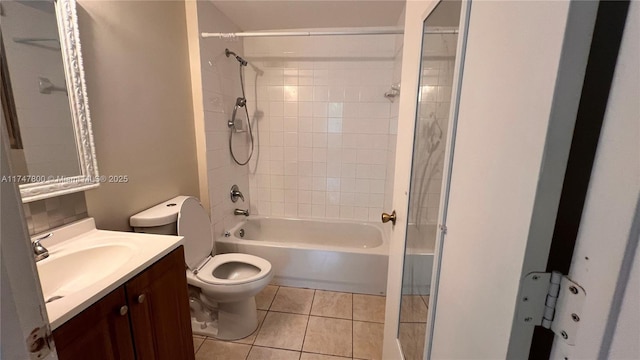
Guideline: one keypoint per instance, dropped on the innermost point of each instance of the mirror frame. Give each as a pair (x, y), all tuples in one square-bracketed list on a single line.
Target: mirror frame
[(52, 186)]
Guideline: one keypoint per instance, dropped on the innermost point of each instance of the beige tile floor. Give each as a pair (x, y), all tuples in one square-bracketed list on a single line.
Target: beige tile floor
[(306, 324), (413, 327)]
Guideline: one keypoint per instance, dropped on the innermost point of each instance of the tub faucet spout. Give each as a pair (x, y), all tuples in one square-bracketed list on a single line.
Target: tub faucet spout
[(241, 212)]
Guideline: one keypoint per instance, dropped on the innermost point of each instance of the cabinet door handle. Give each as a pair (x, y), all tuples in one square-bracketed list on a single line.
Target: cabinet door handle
[(123, 310), (141, 298)]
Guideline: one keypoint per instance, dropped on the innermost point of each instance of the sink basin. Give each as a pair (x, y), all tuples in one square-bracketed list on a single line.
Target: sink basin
[(85, 264), (66, 272)]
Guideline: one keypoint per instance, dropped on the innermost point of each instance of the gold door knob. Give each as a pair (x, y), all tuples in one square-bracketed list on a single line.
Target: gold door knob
[(386, 217)]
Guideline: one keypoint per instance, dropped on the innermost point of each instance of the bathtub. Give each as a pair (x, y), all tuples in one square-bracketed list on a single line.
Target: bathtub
[(418, 259), (319, 254)]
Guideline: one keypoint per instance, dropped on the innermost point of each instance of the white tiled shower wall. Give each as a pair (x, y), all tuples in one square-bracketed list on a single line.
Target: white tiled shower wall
[(324, 133), (221, 87), (393, 125)]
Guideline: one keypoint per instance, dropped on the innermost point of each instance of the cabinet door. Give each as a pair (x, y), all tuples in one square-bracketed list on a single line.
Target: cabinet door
[(99, 332), (160, 317)]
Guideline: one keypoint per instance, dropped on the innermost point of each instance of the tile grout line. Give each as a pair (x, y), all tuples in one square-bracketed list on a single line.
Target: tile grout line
[(254, 339), (308, 320), (322, 316), (276, 348), (273, 299), (324, 354), (248, 352), (199, 346), (263, 320), (352, 327), (426, 303)]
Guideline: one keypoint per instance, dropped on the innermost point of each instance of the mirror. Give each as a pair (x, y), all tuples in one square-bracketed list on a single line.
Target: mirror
[(439, 45), (44, 99)]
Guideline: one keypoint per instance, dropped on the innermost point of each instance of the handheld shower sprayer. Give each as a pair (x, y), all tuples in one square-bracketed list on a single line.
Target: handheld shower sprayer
[(241, 102), (242, 61)]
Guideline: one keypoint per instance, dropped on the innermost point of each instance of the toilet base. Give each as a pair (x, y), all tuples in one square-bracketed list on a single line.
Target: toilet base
[(237, 320), (209, 329)]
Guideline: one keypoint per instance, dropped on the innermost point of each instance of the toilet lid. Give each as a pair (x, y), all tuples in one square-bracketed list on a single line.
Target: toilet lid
[(195, 226)]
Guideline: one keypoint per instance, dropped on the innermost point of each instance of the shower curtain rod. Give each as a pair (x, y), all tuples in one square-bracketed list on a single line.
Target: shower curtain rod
[(360, 31)]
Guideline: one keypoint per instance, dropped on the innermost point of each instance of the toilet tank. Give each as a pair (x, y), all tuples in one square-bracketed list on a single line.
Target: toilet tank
[(161, 219)]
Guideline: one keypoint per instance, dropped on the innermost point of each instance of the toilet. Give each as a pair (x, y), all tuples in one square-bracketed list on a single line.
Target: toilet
[(222, 287)]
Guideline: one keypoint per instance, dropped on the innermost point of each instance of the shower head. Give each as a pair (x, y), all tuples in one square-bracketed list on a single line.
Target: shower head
[(242, 61)]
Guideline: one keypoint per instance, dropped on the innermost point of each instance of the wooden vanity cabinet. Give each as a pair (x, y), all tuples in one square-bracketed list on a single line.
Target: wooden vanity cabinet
[(146, 318), (160, 318), (99, 332)]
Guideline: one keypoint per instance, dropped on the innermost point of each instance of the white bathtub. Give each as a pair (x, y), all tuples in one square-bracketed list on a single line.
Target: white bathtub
[(418, 259), (320, 254)]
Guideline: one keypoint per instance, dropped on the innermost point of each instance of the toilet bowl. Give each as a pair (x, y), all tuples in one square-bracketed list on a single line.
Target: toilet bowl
[(226, 284)]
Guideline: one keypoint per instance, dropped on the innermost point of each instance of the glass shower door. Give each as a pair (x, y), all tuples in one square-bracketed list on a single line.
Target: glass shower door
[(439, 45)]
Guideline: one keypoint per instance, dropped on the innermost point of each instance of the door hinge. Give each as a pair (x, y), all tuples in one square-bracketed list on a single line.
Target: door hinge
[(39, 343), (553, 301)]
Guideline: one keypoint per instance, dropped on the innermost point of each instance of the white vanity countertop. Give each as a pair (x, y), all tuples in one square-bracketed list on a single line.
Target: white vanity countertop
[(85, 264)]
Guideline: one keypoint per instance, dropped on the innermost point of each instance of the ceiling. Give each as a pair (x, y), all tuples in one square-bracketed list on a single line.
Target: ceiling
[(252, 15)]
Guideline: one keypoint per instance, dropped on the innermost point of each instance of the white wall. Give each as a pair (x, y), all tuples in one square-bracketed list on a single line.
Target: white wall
[(517, 102), (325, 136), (136, 64), (220, 88), (606, 259), (45, 120)]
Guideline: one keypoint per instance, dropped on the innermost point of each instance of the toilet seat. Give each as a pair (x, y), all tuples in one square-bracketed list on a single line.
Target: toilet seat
[(249, 268)]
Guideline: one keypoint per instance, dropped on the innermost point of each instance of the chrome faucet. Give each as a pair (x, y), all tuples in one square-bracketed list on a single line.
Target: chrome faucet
[(241, 212), (40, 251), (236, 193)]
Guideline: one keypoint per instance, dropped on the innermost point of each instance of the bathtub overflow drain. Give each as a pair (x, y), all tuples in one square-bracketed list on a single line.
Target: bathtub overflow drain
[(53, 298), (241, 233)]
